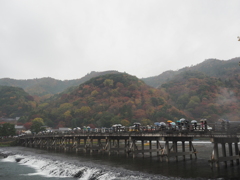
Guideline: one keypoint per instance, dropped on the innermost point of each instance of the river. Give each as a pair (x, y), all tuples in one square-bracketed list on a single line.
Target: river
[(41, 164)]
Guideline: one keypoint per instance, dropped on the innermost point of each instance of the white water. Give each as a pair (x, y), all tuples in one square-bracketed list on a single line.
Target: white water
[(61, 169), (50, 168), (40, 164)]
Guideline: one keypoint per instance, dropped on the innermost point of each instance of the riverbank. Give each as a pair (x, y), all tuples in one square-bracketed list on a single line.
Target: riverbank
[(7, 142)]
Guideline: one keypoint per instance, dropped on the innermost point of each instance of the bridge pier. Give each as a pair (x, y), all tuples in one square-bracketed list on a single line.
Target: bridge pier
[(173, 151), (176, 145), (183, 150), (142, 143), (230, 152), (230, 141), (236, 152)]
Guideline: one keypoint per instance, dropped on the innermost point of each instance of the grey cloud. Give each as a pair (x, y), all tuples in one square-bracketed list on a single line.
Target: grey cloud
[(68, 39)]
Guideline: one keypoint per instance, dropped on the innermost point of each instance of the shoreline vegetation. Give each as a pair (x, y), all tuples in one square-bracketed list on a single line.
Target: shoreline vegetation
[(7, 142)]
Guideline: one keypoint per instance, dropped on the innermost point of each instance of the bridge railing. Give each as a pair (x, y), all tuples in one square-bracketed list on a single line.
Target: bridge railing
[(155, 132)]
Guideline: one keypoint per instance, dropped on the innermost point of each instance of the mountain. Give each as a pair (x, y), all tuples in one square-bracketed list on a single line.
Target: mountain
[(208, 90), (202, 96), (211, 67), (49, 86), (15, 102), (46, 87), (156, 81), (106, 100)]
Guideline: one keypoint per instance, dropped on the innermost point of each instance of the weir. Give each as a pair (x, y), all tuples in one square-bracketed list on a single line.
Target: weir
[(163, 145)]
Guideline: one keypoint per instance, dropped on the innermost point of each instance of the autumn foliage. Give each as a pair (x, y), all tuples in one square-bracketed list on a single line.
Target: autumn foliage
[(209, 90), (201, 96), (107, 100), (15, 102)]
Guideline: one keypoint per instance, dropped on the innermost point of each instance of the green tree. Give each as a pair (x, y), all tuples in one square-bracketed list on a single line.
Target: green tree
[(115, 120), (7, 129), (108, 82), (157, 101), (125, 122), (37, 125), (73, 122), (195, 99), (104, 119), (126, 112), (23, 119), (94, 93), (64, 107), (191, 104), (182, 101), (132, 87), (85, 110), (145, 122)]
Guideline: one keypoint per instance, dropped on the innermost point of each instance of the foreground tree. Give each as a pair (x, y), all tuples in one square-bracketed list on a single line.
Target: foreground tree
[(7, 129), (37, 125)]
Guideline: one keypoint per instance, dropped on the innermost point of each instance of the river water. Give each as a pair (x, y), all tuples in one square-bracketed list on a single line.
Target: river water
[(41, 164)]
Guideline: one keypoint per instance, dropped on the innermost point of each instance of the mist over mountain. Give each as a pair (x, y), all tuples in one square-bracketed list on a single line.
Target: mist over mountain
[(211, 67), (200, 95), (48, 85)]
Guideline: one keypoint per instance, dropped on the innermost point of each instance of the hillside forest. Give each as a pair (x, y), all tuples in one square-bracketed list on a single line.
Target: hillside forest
[(107, 100), (208, 90)]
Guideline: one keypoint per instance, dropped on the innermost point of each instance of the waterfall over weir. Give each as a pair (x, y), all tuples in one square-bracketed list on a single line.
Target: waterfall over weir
[(50, 168), (60, 169)]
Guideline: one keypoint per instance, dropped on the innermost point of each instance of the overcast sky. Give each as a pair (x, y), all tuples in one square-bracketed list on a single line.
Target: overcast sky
[(66, 39)]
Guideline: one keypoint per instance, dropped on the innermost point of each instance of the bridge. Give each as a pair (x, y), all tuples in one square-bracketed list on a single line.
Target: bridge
[(164, 144)]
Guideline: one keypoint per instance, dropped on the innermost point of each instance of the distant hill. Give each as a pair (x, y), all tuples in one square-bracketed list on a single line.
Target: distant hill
[(15, 102), (211, 67), (106, 100), (45, 87), (49, 86), (202, 96), (156, 81)]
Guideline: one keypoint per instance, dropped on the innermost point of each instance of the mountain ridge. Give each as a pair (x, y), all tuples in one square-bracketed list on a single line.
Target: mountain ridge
[(205, 67), (46, 87)]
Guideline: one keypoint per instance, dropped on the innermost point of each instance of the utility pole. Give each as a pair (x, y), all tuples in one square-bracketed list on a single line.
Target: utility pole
[(239, 40)]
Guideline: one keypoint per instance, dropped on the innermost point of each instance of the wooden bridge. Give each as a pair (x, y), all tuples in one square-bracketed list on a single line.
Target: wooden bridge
[(162, 144)]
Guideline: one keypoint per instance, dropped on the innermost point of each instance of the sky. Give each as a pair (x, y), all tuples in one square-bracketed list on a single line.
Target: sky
[(67, 39)]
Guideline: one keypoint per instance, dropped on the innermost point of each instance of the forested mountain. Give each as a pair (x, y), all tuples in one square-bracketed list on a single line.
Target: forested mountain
[(107, 100), (46, 87), (49, 86), (211, 67), (201, 96), (15, 102), (208, 90)]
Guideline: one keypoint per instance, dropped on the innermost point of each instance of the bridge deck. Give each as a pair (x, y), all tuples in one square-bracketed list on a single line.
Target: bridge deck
[(128, 143)]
